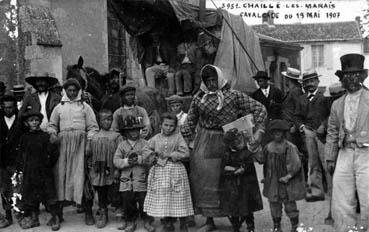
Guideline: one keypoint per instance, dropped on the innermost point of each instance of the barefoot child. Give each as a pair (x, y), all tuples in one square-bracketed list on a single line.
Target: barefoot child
[(101, 152), (168, 191), (130, 160), (36, 159), (284, 178), (241, 196)]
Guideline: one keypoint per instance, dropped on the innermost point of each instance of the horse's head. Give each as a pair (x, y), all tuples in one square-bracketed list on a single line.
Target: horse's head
[(78, 72), (89, 78)]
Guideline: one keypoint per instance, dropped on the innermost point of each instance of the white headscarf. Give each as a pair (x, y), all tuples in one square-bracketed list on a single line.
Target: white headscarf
[(221, 83)]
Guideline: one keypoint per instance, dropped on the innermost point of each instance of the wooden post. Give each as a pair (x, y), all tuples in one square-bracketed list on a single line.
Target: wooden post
[(202, 6)]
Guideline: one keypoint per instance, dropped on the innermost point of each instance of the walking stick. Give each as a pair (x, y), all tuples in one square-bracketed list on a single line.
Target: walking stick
[(329, 219)]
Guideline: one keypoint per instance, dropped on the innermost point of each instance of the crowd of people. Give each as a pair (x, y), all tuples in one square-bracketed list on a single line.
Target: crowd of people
[(57, 150)]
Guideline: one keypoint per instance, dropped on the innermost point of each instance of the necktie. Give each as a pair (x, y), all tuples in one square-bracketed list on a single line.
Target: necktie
[(311, 96)]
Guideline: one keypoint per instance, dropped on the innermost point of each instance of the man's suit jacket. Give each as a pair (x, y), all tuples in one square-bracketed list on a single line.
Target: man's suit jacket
[(9, 139), (312, 113), (272, 103), (290, 104), (336, 125), (32, 101)]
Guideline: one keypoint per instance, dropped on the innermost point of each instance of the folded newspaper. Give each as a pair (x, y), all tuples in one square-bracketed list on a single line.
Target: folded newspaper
[(244, 124)]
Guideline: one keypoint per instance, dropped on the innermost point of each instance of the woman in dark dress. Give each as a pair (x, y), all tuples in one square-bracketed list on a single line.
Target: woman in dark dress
[(241, 194), (214, 106)]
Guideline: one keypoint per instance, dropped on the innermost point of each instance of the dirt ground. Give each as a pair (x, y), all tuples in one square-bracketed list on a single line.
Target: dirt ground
[(311, 215)]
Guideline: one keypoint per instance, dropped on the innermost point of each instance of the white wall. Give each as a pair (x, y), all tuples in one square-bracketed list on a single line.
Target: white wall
[(332, 53)]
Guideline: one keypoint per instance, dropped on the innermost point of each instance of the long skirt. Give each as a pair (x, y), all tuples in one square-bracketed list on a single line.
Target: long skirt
[(69, 170), (168, 191), (205, 172)]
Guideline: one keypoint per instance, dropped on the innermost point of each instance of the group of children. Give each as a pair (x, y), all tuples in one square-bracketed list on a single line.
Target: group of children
[(153, 180)]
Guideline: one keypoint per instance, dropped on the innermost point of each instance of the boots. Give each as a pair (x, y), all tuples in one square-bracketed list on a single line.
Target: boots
[(183, 227), (148, 225), (3, 222), (101, 218), (168, 225), (8, 216), (208, 226), (55, 223), (191, 221), (236, 225), (250, 225), (277, 224), (30, 221), (89, 218), (294, 223)]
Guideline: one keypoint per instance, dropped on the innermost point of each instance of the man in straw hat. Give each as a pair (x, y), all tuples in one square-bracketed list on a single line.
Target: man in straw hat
[(311, 111), (18, 92), (42, 100), (347, 146)]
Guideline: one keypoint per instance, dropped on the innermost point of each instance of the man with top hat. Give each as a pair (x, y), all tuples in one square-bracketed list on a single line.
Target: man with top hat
[(129, 107), (347, 146), (268, 95), (42, 100), (311, 111)]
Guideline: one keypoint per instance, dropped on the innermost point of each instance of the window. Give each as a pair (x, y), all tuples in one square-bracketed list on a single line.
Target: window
[(366, 45), (116, 43), (317, 53)]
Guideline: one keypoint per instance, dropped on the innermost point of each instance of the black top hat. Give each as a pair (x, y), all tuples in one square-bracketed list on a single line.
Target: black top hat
[(279, 124), (351, 63), (309, 75), (30, 113), (130, 122), (261, 74), (49, 77)]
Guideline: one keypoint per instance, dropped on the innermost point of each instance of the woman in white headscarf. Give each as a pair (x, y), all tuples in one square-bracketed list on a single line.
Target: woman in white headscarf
[(212, 107)]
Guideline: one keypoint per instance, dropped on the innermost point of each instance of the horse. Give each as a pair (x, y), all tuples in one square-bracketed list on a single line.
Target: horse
[(96, 85)]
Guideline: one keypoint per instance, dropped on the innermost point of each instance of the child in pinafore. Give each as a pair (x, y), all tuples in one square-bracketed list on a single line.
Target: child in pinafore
[(102, 148), (134, 165), (284, 178), (36, 159), (168, 191), (241, 196)]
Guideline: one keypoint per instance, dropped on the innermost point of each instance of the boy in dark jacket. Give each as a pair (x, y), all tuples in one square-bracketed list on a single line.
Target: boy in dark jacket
[(36, 159)]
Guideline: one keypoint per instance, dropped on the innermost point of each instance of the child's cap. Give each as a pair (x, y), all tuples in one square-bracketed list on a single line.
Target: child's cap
[(129, 123), (174, 99), (30, 113), (278, 124)]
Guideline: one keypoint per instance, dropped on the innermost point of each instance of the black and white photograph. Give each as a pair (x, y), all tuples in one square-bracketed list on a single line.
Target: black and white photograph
[(184, 115)]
